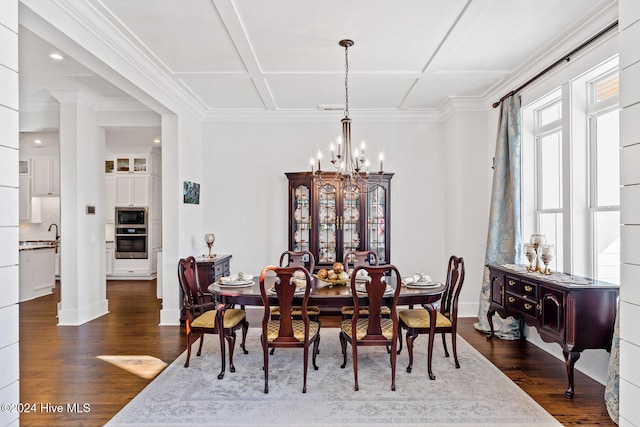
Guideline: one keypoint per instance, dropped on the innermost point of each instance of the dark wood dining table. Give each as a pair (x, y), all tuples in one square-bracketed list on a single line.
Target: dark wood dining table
[(324, 294)]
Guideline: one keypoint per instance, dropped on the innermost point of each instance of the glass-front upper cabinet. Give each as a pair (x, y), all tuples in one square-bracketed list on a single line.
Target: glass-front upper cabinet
[(330, 219)]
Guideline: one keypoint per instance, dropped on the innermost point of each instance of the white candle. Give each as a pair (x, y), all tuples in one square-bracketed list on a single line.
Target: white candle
[(381, 159), (331, 147)]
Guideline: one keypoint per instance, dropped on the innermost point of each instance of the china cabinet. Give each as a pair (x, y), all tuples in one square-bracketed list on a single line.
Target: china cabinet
[(328, 219)]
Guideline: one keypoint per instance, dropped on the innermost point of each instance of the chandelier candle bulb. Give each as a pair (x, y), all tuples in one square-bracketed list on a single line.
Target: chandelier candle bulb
[(381, 159)]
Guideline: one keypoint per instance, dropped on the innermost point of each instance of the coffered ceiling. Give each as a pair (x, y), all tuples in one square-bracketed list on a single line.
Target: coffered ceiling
[(283, 55)]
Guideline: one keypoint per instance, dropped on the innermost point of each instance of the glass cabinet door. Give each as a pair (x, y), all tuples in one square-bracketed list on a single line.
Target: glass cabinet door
[(327, 224), (377, 222), (350, 223), (301, 219)]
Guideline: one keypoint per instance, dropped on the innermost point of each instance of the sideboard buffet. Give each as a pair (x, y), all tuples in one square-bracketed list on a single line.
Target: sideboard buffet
[(575, 312)]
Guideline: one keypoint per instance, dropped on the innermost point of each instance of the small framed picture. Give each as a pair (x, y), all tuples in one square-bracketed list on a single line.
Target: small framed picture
[(191, 192)]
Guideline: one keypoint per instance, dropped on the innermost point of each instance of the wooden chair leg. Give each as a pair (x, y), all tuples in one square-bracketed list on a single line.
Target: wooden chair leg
[(316, 344), (444, 344), (245, 329), (266, 364), (354, 349), (305, 365), (231, 341), (410, 337), (399, 341), (343, 344), (453, 345), (200, 347), (221, 336), (189, 342)]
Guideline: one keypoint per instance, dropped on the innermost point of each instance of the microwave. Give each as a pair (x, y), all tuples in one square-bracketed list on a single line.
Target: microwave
[(129, 216)]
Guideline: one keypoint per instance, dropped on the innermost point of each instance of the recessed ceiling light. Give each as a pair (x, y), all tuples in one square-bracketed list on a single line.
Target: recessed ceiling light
[(37, 141), (56, 56), (156, 141)]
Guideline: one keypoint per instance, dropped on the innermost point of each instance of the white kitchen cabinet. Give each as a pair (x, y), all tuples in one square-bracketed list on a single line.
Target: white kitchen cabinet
[(109, 198), (109, 259), (37, 275), (132, 190), (46, 176), (24, 199)]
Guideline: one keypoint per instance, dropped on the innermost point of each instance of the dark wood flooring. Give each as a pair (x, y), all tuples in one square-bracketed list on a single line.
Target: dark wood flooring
[(59, 364)]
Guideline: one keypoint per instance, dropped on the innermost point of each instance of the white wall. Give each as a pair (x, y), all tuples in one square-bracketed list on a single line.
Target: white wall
[(244, 191), (467, 183), (9, 350), (630, 212)]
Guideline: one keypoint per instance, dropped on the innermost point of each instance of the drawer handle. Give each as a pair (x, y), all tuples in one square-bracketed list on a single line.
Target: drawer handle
[(527, 306), (528, 288), (512, 299), (512, 282)]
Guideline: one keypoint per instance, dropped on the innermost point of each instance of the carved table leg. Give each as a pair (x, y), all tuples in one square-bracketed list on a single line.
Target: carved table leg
[(570, 359), (432, 332), (490, 314)]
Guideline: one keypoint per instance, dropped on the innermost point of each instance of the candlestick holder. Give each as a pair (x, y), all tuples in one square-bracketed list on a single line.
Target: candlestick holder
[(209, 239)]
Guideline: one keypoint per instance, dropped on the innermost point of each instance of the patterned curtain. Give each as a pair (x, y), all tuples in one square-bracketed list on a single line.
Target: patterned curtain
[(611, 390), (504, 240)]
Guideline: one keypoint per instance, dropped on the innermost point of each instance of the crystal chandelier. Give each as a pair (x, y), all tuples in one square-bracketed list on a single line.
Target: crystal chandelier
[(349, 164)]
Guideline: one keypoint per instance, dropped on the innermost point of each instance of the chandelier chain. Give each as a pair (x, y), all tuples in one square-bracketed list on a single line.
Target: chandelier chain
[(346, 81)]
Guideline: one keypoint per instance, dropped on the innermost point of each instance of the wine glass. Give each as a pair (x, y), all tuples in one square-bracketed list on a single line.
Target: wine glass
[(209, 238), (530, 253), (546, 255)]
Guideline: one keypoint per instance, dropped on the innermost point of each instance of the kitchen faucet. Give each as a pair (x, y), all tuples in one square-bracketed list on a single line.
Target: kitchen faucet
[(57, 235)]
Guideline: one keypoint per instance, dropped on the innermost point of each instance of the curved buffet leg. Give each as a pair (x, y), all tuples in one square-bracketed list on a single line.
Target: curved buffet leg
[(490, 314), (570, 359)]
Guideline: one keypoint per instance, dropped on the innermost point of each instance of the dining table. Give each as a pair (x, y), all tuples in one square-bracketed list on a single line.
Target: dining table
[(329, 295)]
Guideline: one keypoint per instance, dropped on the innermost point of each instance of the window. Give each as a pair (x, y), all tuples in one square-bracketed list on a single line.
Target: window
[(570, 173)]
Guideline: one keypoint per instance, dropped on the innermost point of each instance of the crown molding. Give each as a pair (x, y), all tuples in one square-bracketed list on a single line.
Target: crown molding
[(291, 116)]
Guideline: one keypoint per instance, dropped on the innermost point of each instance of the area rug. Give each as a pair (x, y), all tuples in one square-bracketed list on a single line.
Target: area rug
[(477, 394)]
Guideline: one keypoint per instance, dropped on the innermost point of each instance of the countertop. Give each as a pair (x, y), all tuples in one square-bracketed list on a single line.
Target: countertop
[(28, 245)]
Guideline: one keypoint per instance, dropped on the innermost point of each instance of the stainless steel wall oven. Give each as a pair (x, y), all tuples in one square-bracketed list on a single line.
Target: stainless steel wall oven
[(131, 239)]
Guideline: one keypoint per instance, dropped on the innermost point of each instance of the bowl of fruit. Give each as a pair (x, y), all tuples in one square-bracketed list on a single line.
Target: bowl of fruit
[(334, 276)]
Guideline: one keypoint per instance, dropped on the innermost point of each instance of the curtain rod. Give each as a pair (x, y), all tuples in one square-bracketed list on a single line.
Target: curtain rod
[(566, 58)]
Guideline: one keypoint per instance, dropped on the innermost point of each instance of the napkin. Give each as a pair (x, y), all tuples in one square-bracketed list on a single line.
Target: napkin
[(416, 278)]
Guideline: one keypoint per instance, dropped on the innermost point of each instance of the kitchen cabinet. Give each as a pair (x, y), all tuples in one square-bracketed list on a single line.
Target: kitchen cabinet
[(46, 176), (132, 164), (109, 258), (132, 190), (328, 219), (37, 276), (575, 312), (24, 200)]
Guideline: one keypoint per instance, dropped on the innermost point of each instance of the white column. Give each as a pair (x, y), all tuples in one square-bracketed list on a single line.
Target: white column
[(171, 193), (9, 348), (83, 279), (629, 12)]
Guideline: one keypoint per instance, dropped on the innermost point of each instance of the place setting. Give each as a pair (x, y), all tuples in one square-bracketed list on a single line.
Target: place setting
[(240, 280), (419, 281)]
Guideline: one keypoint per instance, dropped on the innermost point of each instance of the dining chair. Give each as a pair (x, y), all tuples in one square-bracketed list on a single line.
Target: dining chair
[(417, 321), (287, 332), (298, 259), (356, 258), (372, 330), (204, 315)]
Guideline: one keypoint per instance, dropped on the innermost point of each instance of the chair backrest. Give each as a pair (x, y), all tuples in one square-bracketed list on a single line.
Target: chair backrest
[(455, 279), (298, 259), (375, 288), (284, 283), (188, 278), (360, 258)]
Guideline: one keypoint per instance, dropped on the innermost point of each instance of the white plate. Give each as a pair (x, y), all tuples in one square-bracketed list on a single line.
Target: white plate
[(236, 284), (422, 285), (387, 292), (298, 291)]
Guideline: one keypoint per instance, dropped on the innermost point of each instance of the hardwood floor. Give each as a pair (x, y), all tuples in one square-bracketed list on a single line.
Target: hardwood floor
[(59, 364)]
